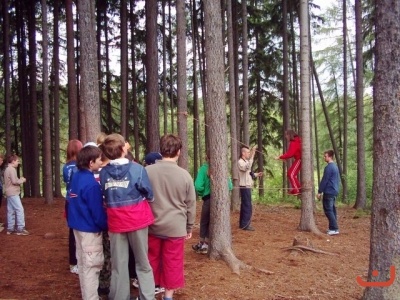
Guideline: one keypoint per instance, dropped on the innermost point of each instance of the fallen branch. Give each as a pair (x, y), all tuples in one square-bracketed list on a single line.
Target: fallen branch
[(301, 247), (297, 249)]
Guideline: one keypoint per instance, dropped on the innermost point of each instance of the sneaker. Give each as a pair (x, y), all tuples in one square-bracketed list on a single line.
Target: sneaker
[(249, 228), (197, 246), (11, 232), (159, 290), (333, 232), (22, 232), (74, 269), (135, 283), (203, 249)]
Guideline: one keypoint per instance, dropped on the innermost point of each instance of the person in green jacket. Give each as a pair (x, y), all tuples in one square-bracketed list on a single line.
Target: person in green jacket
[(203, 189)]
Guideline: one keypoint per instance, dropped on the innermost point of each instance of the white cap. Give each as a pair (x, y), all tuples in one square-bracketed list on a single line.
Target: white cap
[(90, 144)]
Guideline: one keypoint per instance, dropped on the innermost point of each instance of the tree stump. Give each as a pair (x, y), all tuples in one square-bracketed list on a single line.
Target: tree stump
[(300, 241)]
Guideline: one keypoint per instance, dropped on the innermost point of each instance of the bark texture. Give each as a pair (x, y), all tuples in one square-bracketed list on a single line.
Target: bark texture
[(385, 221), (89, 88)]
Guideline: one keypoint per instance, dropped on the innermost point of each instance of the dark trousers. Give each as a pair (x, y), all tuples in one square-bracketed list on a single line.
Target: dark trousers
[(205, 219), (246, 209), (72, 248), (71, 241)]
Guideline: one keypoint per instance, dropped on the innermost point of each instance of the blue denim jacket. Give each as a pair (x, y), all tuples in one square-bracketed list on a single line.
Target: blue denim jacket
[(125, 184)]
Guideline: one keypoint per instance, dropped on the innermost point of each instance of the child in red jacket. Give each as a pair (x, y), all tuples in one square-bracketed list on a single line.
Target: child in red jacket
[(294, 151)]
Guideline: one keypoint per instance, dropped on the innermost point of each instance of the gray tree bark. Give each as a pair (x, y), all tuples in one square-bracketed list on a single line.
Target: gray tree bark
[(32, 156), (220, 231), (124, 69), (235, 199), (89, 89), (72, 87), (135, 110), (345, 105), (307, 220), (385, 229), (46, 151), (361, 199), (286, 98), (56, 101), (245, 100), (181, 84), (152, 91), (6, 71)]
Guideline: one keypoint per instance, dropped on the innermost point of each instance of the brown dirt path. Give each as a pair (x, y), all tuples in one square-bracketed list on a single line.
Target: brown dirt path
[(32, 267)]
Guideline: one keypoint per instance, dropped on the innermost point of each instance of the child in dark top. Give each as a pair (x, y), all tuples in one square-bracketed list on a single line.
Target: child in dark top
[(87, 217), (73, 148)]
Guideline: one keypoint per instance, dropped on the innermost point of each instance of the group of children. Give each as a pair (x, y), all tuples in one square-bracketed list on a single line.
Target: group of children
[(108, 209)]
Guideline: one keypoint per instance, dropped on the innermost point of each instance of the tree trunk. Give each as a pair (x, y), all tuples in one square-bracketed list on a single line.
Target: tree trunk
[(196, 117), (245, 62), (22, 96), (164, 74), (109, 118), (220, 231), (124, 69), (385, 230), (89, 88), (361, 200), (307, 221), (6, 71), (286, 98), (317, 158), (235, 199), (46, 158), (100, 15), (235, 32), (171, 54), (295, 120), (152, 96), (134, 87), (260, 124), (345, 106), (328, 123), (33, 154), (181, 84), (56, 101), (73, 107)]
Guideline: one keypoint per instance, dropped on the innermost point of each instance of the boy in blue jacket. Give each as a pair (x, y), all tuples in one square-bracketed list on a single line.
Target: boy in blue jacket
[(87, 217)]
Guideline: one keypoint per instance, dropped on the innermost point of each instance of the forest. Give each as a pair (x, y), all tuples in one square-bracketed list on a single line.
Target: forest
[(220, 74), (43, 82)]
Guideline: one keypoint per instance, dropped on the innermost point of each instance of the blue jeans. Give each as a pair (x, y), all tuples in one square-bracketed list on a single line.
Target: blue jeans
[(328, 202), (15, 210), (246, 209)]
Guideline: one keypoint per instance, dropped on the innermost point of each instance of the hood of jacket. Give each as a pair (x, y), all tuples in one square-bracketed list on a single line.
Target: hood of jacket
[(117, 170)]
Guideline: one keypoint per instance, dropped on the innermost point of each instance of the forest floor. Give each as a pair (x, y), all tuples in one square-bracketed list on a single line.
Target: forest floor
[(33, 267)]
